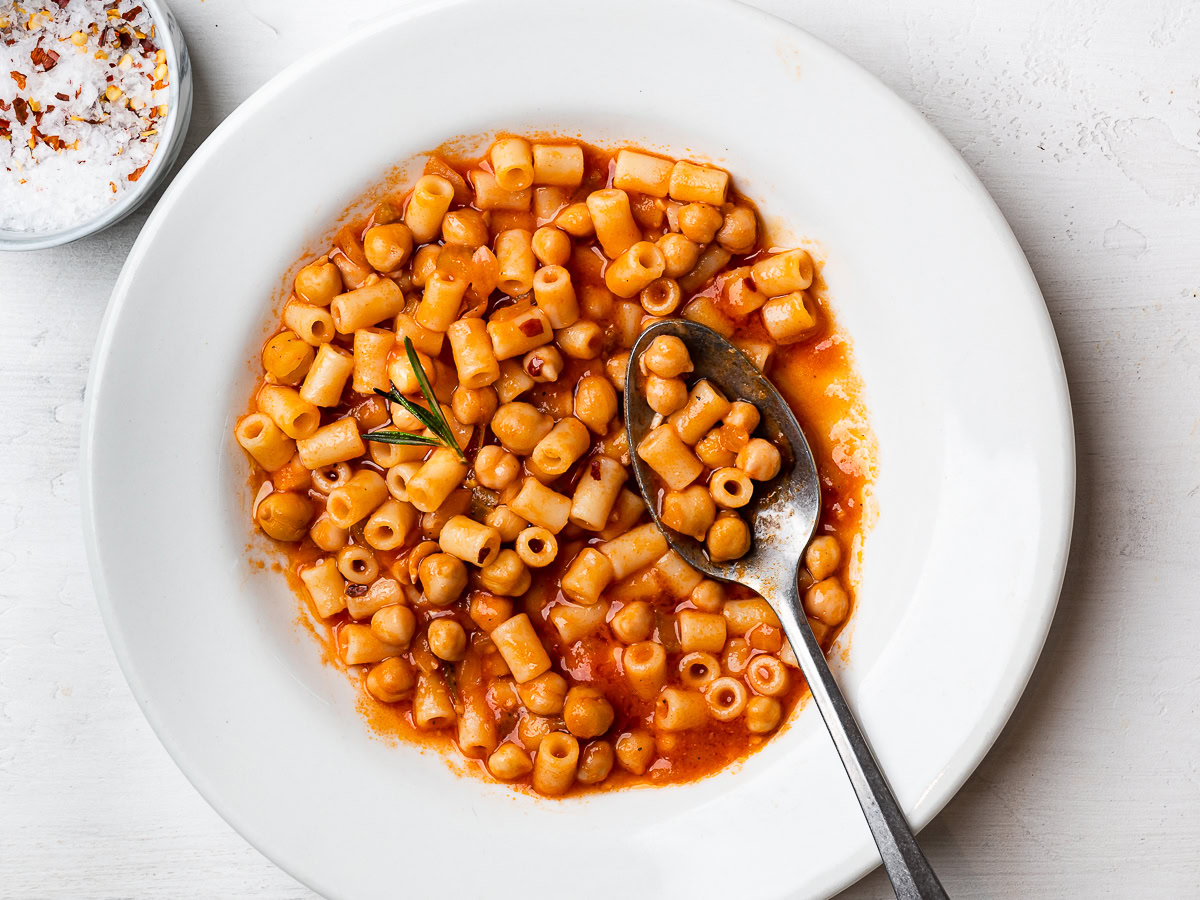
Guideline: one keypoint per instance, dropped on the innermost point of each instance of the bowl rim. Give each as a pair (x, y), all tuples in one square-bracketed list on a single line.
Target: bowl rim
[(174, 132), (967, 757)]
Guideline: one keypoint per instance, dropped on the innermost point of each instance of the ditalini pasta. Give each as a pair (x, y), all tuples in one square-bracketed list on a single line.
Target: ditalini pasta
[(437, 443)]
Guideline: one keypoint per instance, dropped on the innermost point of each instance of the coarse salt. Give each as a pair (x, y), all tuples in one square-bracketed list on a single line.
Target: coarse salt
[(82, 100)]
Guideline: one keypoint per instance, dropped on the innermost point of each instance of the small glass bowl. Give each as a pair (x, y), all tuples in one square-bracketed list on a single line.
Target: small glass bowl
[(169, 37)]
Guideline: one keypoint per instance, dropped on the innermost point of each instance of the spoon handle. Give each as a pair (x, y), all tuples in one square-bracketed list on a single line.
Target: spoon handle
[(911, 875)]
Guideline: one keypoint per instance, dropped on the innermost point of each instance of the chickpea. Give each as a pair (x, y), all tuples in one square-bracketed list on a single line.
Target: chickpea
[(394, 625), (708, 596), (465, 227), (587, 712), (519, 426), (635, 750), (474, 406), (287, 357), (595, 402), (575, 220), (758, 458), (827, 601), (502, 694), (545, 694), (680, 254), (416, 556), (495, 467), (507, 576), (424, 263), (390, 680), (744, 415), (551, 246), (728, 538), (700, 222), (595, 762), (634, 622), (531, 729), (713, 452), (387, 247), (285, 516), (318, 283), (667, 357), (443, 578), (509, 762), (615, 368), (823, 556), (447, 639), (762, 714), (488, 610), (739, 230), (665, 395)]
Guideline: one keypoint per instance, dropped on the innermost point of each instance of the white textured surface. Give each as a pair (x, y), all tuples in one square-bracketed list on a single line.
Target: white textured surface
[(1081, 119)]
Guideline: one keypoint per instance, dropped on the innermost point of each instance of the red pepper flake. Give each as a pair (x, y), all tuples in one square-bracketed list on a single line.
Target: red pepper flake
[(54, 141), (19, 79), (35, 135), (63, 97), (137, 173), (21, 108), (535, 366), (531, 327), (126, 39), (132, 14), (148, 46), (3, 104), (5, 128), (47, 59), (62, 4), (595, 470), (37, 116)]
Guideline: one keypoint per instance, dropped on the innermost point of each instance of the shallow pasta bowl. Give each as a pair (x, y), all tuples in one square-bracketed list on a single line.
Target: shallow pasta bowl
[(967, 399)]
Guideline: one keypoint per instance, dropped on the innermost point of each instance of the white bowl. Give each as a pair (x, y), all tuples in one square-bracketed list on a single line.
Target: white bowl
[(951, 335), (169, 37)]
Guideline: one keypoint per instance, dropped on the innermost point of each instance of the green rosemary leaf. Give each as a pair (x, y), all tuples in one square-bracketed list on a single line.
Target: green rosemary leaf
[(425, 417), (402, 437), (391, 394), (443, 427)]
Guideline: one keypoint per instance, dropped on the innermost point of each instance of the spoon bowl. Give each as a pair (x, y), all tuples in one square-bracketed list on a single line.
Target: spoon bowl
[(782, 516), (784, 511)]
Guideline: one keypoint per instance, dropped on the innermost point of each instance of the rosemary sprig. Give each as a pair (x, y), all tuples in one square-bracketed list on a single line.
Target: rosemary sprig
[(431, 418)]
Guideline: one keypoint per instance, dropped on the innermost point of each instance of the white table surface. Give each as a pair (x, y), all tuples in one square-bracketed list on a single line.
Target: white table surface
[(1082, 120)]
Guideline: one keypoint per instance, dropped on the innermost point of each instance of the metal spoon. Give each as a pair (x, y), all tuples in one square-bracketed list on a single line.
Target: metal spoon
[(783, 514)]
